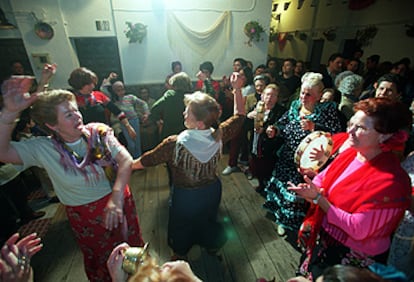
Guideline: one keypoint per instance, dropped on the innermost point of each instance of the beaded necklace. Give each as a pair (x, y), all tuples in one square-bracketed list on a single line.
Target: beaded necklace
[(96, 136)]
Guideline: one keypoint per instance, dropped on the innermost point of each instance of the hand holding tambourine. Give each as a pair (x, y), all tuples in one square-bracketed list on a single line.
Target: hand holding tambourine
[(314, 151)]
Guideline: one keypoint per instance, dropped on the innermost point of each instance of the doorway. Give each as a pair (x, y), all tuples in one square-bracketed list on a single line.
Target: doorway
[(99, 54), (316, 54), (13, 50)]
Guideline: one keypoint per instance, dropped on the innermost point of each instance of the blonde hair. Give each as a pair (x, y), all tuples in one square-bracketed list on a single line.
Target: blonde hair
[(311, 80), (44, 109), (273, 86), (206, 109), (181, 82), (148, 271)]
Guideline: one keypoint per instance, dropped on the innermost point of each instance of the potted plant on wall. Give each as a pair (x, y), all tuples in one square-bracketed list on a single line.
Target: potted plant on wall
[(135, 32), (273, 35), (365, 36), (253, 30)]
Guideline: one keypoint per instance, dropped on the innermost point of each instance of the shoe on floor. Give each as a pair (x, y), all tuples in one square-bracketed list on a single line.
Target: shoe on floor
[(281, 231), (248, 174), (230, 169)]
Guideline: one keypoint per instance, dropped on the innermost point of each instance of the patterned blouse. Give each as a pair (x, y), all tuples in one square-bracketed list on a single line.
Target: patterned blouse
[(199, 173)]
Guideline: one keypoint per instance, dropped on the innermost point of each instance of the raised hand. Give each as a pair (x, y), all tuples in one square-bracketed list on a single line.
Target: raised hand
[(47, 72), (237, 81), (317, 153), (16, 95), (113, 75)]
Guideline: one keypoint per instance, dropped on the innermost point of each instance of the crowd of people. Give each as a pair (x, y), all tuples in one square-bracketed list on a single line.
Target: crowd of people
[(261, 117)]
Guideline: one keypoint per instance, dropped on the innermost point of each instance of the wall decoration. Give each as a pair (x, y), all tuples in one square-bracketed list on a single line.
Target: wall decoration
[(211, 42), (330, 34), (253, 31), (360, 4), (282, 39), (300, 3), (409, 30), (365, 36), (44, 30), (273, 35), (286, 6), (135, 32), (303, 36)]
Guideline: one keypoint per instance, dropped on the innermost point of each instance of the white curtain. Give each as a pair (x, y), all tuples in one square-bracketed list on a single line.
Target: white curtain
[(194, 47)]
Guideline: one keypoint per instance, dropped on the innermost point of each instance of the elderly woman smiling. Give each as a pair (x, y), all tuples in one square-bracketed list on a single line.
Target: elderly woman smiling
[(360, 198), (304, 116), (88, 167)]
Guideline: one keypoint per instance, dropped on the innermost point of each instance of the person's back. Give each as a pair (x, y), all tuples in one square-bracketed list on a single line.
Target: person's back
[(170, 107)]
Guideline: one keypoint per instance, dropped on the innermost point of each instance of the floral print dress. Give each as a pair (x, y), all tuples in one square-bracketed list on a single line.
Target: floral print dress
[(288, 209)]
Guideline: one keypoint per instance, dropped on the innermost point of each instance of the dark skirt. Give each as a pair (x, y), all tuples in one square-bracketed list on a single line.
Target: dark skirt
[(262, 168), (193, 218)]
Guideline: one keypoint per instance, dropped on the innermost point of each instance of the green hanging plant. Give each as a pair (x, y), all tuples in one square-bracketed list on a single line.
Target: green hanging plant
[(253, 31), (135, 32), (273, 35), (365, 36)]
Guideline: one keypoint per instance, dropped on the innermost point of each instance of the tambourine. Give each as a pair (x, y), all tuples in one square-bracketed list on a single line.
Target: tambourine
[(259, 119), (133, 258), (314, 141)]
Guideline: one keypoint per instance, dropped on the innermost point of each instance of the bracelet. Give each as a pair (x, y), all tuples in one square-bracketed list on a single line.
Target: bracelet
[(317, 198)]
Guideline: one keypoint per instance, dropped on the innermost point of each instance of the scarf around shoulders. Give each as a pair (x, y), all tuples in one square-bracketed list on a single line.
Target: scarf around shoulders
[(98, 137), (197, 152), (379, 183), (200, 143)]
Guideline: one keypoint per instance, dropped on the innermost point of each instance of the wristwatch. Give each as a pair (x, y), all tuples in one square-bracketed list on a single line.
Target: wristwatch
[(317, 198)]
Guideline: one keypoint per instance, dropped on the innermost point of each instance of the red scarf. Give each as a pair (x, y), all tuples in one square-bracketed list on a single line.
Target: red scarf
[(379, 184)]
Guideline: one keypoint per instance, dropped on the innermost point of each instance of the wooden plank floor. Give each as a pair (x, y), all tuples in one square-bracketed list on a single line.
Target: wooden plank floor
[(253, 250)]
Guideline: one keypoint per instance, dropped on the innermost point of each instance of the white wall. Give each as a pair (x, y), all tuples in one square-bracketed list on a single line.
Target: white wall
[(389, 16), (150, 61), (59, 49)]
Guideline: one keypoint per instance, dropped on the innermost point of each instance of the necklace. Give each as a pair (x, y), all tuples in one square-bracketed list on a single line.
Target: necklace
[(77, 149), (90, 150), (305, 111)]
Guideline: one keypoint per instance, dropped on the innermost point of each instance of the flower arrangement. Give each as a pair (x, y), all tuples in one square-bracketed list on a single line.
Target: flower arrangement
[(273, 35), (253, 31), (365, 36), (135, 32)]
